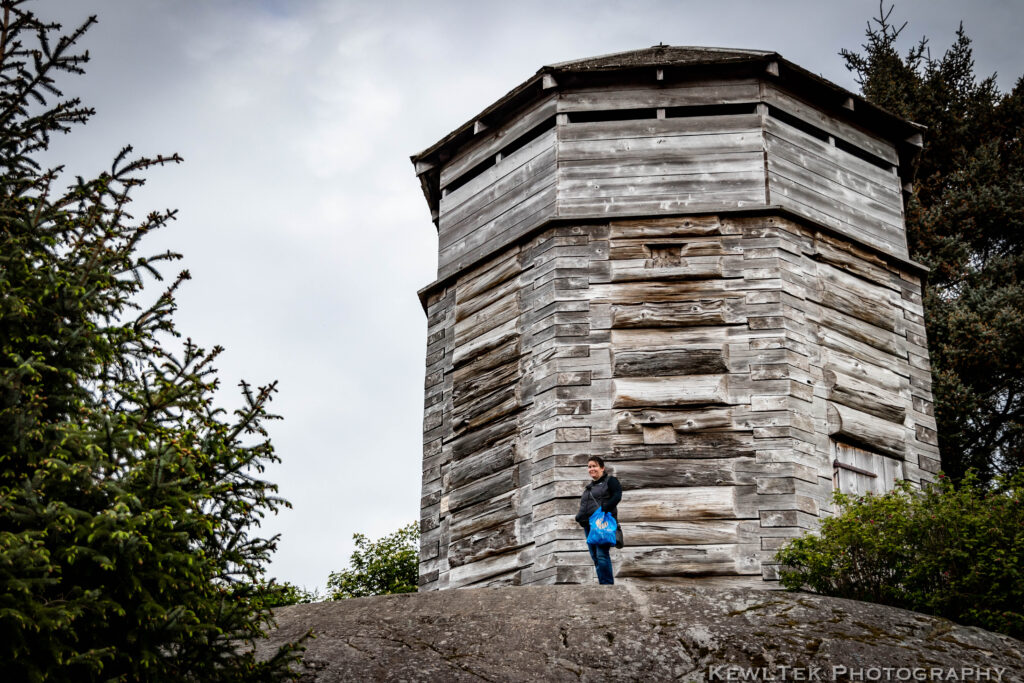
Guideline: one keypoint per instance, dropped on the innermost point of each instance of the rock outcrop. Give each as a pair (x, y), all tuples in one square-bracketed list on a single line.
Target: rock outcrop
[(591, 633)]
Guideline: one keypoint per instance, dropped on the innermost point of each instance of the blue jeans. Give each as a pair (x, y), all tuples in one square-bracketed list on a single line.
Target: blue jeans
[(603, 562)]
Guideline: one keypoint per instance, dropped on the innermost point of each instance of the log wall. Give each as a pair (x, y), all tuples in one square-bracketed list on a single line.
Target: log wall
[(732, 369)]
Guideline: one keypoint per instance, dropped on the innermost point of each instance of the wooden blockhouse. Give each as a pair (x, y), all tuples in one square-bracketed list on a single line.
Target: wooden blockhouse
[(691, 262)]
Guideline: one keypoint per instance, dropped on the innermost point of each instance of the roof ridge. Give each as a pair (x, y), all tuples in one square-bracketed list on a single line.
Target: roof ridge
[(670, 53)]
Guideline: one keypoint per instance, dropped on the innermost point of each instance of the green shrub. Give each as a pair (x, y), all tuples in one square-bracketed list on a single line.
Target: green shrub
[(283, 594), (382, 567), (951, 551)]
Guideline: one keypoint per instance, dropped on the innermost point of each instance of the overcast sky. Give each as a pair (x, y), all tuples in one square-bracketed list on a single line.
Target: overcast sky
[(301, 219)]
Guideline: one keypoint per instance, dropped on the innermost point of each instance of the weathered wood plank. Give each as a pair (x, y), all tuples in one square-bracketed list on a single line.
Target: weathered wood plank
[(503, 210), (653, 338), (485, 277), (850, 215), (693, 268), (828, 122), (678, 314), (851, 295), (680, 390), (688, 503), (836, 341), (631, 421), (690, 446), (681, 532), (649, 292), (482, 489), (865, 397), (867, 429), (495, 459), (501, 232), (505, 196), (560, 556), (483, 343), (647, 96), (880, 185), (865, 371), (502, 353), (651, 127), (691, 561), (690, 226), (485, 515), (704, 184), (890, 212), (889, 238), (475, 325), (492, 405), (675, 472), (479, 439), (630, 165), (660, 251), (660, 148), (518, 168), (672, 202), (779, 134), (488, 543), (489, 145), (852, 260), (509, 578), (669, 362), (856, 328), (487, 568)]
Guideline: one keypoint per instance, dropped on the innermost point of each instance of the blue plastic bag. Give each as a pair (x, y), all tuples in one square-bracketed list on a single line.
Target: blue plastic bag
[(602, 528)]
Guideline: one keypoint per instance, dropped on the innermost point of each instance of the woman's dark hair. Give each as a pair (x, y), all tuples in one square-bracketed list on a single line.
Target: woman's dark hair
[(598, 459)]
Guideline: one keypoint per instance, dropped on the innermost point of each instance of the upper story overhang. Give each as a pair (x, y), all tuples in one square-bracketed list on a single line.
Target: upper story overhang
[(669, 130)]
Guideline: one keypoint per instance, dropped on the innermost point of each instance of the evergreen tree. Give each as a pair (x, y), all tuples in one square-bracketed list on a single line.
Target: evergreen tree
[(965, 221), (127, 499)]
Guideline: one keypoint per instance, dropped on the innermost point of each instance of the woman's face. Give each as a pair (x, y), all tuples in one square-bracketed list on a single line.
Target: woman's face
[(595, 470)]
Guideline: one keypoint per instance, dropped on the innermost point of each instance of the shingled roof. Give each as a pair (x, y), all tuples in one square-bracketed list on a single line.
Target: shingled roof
[(657, 55)]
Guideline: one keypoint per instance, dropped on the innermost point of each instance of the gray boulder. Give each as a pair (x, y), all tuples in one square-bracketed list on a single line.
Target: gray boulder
[(631, 633)]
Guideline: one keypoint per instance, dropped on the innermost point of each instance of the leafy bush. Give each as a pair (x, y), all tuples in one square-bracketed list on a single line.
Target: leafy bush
[(283, 594), (389, 565), (954, 551)]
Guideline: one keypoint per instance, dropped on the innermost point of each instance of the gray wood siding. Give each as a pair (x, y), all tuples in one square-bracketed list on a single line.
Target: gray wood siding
[(651, 166), (491, 142), (883, 149), (498, 206), (642, 96), (833, 187)]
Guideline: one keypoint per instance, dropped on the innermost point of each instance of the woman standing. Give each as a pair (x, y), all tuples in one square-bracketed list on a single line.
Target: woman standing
[(604, 492)]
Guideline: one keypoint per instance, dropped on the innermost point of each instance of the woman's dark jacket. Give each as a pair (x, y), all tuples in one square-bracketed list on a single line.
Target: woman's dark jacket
[(605, 493)]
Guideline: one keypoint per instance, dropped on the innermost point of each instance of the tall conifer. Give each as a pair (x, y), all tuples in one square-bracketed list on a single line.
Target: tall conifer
[(965, 221), (127, 499)]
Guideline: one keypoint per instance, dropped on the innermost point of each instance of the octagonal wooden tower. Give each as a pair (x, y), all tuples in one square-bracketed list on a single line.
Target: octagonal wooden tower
[(691, 262)]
